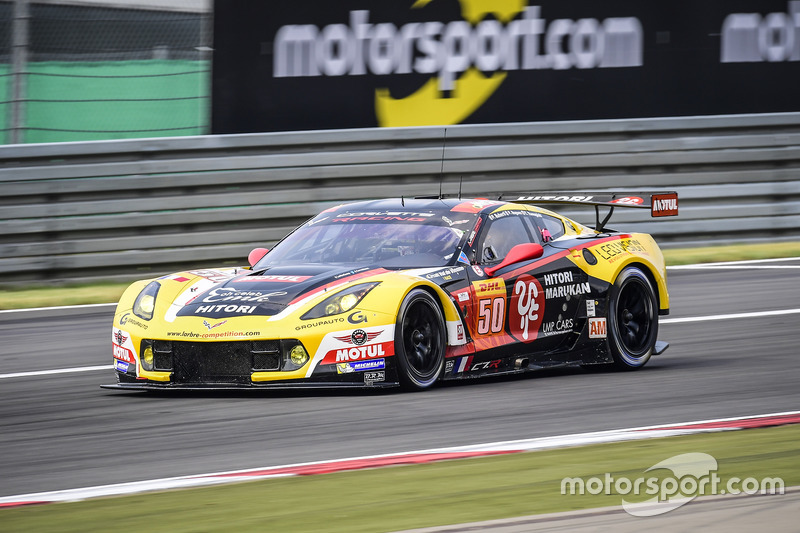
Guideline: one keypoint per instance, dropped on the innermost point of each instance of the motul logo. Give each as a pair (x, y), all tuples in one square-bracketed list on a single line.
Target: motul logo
[(123, 354), (664, 205), (362, 352)]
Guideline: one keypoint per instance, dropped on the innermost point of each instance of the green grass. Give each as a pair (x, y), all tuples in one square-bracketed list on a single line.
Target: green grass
[(734, 252), (390, 499), (28, 296), (42, 296)]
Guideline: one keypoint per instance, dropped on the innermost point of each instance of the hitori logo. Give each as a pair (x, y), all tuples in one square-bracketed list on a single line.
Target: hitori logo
[(494, 38)]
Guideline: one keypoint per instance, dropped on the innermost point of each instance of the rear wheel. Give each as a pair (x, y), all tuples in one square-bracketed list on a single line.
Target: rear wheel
[(633, 319), (420, 341)]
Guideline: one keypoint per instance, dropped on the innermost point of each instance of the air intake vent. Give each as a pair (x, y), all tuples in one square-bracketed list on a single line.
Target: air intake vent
[(266, 355), (212, 362)]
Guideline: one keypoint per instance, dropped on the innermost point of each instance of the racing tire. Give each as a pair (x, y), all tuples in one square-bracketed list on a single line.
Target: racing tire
[(420, 341), (632, 319)]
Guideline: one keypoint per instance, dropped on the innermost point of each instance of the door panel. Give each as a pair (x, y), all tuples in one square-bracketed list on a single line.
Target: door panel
[(535, 305)]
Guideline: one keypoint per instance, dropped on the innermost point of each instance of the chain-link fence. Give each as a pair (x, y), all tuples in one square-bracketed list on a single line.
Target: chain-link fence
[(79, 73), (6, 79)]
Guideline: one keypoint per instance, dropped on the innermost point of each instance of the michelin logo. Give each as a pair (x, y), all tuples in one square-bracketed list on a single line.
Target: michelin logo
[(347, 368)]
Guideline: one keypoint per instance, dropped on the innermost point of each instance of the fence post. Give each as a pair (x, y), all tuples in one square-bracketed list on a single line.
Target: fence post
[(19, 66)]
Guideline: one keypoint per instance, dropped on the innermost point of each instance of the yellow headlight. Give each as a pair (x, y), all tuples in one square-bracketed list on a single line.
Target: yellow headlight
[(348, 301), (147, 358), (147, 304), (341, 302), (298, 355)]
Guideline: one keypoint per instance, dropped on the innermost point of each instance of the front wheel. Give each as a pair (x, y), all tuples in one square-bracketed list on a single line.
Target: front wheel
[(633, 319), (420, 341)]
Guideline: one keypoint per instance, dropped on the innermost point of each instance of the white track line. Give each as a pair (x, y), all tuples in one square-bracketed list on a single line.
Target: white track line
[(735, 264), (750, 263), (57, 308), (754, 263), (250, 474), (728, 317), (737, 267), (56, 371), (777, 312)]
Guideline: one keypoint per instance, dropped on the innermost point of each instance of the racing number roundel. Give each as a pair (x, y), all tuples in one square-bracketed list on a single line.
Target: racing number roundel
[(526, 309)]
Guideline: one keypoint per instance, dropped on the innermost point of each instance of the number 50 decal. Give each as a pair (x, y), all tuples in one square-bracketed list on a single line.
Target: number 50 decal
[(490, 307), (491, 315), (526, 309)]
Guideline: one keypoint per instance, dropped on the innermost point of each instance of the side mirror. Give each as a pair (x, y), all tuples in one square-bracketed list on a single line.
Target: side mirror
[(518, 254), (256, 255)]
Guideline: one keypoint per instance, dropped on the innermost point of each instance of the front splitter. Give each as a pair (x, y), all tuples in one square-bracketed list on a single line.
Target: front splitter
[(248, 387)]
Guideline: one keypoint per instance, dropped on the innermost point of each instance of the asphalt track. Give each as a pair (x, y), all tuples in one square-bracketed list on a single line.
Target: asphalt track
[(61, 431)]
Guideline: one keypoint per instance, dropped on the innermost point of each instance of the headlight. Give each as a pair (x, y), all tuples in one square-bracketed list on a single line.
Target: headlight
[(340, 302), (145, 303), (298, 356), (148, 357)]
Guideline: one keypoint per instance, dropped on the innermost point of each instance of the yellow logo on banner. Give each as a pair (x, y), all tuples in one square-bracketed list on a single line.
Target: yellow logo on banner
[(427, 106)]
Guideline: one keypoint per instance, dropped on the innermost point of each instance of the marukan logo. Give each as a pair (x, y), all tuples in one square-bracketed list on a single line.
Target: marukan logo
[(526, 310), (119, 337)]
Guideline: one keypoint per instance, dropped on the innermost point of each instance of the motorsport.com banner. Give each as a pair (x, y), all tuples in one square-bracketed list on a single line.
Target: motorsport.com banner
[(358, 63)]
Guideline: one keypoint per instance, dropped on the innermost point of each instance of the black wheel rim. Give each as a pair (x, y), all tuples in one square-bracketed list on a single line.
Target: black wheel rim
[(634, 318), (421, 338)]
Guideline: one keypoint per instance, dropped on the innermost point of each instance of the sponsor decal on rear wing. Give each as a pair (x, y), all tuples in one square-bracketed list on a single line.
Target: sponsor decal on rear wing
[(660, 204), (664, 204)]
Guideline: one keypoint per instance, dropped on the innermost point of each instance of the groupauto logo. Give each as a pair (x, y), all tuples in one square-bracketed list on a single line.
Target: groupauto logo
[(467, 59)]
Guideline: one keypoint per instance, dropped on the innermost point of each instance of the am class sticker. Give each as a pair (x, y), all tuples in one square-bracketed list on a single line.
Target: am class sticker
[(597, 328)]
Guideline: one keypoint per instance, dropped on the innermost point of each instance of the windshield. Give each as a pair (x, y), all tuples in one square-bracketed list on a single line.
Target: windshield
[(431, 242)]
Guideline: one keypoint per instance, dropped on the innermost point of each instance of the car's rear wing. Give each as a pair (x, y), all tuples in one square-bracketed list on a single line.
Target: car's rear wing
[(660, 203)]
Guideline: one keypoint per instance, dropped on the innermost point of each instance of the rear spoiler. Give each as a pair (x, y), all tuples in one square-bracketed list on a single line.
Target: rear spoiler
[(660, 204)]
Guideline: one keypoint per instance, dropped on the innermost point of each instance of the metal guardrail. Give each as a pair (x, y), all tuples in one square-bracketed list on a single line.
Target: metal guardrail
[(135, 208)]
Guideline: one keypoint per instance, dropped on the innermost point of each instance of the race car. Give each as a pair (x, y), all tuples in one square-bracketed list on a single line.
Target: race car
[(406, 292)]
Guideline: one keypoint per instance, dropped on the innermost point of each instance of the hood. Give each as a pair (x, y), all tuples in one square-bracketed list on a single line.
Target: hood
[(267, 292)]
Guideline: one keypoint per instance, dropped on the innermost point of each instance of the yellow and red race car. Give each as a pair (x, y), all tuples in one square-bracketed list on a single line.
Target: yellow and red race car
[(405, 292)]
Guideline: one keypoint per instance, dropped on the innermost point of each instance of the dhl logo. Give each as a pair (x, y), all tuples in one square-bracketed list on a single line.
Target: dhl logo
[(489, 286)]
